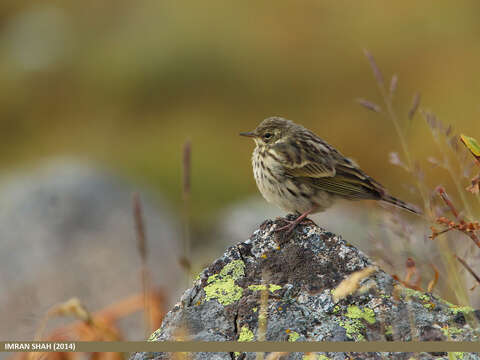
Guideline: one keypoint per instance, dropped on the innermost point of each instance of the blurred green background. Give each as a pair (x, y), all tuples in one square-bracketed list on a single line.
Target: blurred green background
[(125, 83)]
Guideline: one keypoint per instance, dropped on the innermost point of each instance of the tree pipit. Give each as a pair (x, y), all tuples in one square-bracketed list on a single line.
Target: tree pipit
[(299, 172)]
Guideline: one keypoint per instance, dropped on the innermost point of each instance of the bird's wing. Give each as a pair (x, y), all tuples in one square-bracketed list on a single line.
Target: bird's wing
[(305, 158), (315, 162), (350, 182)]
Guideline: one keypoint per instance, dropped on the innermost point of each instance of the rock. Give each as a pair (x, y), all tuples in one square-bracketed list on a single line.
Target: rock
[(300, 274), (67, 230)]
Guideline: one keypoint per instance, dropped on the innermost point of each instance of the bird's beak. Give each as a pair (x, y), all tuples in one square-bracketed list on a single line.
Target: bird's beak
[(248, 134)]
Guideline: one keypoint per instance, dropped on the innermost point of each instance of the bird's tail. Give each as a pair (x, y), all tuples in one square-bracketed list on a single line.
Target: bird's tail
[(401, 204)]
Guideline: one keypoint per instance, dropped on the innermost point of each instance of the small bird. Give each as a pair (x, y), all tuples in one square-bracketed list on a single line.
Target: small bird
[(299, 172)]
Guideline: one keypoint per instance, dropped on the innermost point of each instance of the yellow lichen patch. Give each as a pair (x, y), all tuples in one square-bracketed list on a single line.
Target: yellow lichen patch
[(222, 286), (354, 312), (293, 336), (461, 309), (354, 325), (353, 328), (245, 334), (388, 330), (154, 336), (415, 293)]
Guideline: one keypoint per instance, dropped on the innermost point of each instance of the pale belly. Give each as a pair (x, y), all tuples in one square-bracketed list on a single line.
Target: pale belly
[(279, 190)]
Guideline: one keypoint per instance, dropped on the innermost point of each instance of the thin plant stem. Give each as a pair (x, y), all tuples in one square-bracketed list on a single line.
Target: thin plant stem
[(387, 99), (143, 251), (186, 189), (454, 177)]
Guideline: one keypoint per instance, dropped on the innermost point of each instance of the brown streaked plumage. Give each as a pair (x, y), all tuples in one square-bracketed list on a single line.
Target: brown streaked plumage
[(299, 172)]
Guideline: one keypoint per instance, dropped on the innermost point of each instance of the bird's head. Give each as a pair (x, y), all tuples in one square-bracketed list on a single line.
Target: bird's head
[(271, 131)]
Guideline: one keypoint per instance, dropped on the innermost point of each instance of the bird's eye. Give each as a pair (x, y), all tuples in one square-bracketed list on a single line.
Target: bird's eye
[(267, 136)]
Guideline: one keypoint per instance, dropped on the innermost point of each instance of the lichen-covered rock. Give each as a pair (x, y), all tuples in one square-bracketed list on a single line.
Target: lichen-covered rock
[(300, 274)]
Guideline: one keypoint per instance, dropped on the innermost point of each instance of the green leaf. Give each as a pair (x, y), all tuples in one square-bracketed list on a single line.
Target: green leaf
[(471, 145)]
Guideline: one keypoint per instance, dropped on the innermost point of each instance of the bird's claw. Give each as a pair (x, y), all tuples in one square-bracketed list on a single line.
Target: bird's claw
[(291, 225)]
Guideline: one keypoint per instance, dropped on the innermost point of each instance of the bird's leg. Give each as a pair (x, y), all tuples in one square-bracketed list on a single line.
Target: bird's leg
[(292, 224)]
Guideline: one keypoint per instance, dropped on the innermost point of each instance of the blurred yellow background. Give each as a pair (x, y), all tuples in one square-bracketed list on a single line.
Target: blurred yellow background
[(126, 83)]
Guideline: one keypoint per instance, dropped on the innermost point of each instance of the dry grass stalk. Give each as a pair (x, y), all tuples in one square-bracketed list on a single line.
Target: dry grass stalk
[(469, 269), (187, 160), (387, 99), (186, 189), (262, 316), (414, 107), (434, 281), (276, 355), (393, 85), (413, 278), (143, 251), (72, 307), (439, 132), (369, 105), (352, 283), (98, 326), (181, 334), (376, 71)]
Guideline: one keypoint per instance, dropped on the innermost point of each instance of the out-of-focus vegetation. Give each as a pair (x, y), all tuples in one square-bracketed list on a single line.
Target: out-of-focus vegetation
[(125, 83)]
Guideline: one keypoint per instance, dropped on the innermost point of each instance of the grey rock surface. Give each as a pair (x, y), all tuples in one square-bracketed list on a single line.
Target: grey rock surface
[(66, 230), (301, 273)]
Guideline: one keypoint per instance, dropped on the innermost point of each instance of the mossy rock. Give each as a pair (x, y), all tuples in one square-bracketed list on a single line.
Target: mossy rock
[(298, 275)]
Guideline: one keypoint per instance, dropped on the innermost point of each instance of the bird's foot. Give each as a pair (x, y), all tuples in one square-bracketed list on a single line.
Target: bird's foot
[(291, 224)]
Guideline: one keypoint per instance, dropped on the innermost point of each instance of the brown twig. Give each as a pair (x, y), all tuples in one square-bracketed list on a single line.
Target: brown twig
[(468, 228), (469, 269), (441, 191)]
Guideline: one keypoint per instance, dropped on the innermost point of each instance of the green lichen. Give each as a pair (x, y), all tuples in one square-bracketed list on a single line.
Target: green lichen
[(198, 276), (293, 336), (457, 355), (235, 269), (354, 312), (415, 293), (336, 309), (429, 306), (354, 324), (388, 330), (154, 336), (254, 309), (271, 287), (222, 286), (461, 309), (245, 334), (449, 331), (353, 329)]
